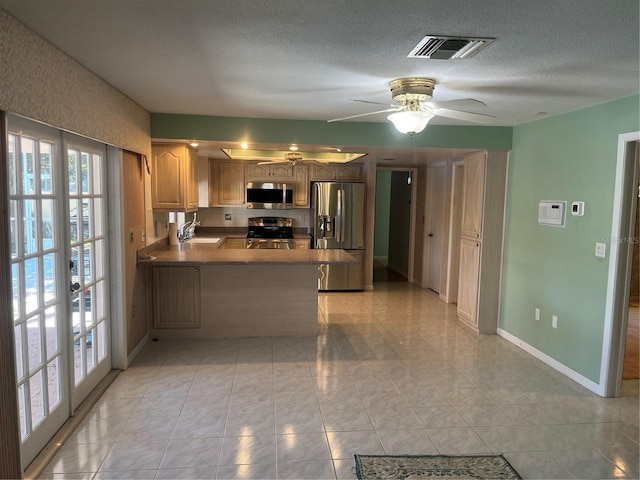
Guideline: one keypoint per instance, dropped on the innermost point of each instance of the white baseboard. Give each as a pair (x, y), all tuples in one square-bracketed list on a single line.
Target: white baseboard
[(553, 363), (137, 350)]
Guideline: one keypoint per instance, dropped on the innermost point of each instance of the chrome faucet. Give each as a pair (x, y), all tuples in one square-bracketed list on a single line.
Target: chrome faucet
[(187, 229)]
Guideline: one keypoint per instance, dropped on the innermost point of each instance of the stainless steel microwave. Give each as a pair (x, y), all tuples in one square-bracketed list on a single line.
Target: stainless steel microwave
[(269, 195)]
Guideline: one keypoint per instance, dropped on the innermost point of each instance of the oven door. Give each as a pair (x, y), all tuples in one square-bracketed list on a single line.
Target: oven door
[(264, 243)]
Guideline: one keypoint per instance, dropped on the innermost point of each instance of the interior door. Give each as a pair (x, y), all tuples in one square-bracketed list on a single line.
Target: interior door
[(435, 231)]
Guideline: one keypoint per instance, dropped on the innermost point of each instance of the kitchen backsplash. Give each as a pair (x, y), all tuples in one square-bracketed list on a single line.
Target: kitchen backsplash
[(239, 216)]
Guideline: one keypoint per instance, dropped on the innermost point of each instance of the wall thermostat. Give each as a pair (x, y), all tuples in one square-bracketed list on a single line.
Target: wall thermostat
[(577, 209), (551, 213)]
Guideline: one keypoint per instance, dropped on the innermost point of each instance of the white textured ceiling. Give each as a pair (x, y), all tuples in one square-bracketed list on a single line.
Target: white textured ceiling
[(305, 59)]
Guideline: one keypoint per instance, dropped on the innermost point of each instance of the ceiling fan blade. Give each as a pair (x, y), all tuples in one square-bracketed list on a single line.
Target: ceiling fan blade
[(395, 109), (466, 116), (371, 103), (273, 162), (458, 103)]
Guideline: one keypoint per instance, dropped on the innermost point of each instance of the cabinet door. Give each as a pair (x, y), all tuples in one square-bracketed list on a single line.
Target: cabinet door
[(336, 172), (301, 244), (473, 195), (349, 172), (301, 186), (227, 184), (468, 280), (274, 172), (322, 172), (192, 180), (176, 297), (167, 191)]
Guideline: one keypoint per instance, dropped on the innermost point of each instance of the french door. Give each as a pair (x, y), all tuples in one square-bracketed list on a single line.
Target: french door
[(59, 262)]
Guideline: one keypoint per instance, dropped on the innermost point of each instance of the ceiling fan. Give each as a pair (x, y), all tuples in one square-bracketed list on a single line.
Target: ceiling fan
[(292, 158), (415, 109)]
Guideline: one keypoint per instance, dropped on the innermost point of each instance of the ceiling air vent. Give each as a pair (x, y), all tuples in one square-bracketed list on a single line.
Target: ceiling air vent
[(446, 48)]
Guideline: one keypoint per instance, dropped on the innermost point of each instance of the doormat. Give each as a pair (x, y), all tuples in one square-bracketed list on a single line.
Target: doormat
[(417, 467)]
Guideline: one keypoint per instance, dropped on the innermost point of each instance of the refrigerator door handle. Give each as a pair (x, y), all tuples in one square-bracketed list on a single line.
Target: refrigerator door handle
[(340, 218)]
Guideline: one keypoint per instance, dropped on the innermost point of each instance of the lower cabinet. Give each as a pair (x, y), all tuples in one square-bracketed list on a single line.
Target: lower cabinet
[(176, 297), (302, 244), (468, 280)]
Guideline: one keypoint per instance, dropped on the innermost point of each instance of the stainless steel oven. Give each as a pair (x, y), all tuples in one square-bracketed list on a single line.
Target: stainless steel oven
[(270, 232)]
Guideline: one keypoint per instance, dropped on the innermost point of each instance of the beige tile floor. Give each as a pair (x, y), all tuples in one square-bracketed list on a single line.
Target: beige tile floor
[(390, 372)]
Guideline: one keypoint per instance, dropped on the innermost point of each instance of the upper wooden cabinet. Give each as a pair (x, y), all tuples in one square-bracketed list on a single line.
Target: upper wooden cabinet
[(473, 196), (271, 172), (174, 178), (226, 183), (301, 186), (345, 172)]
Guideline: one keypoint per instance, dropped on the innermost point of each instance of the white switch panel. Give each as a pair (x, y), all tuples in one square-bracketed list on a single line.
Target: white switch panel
[(601, 249), (554, 321)]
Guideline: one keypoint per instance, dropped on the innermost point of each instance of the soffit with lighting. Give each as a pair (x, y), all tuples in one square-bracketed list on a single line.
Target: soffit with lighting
[(276, 155)]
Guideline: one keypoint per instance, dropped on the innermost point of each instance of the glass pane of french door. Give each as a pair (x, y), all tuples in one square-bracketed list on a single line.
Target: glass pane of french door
[(40, 295), (88, 263)]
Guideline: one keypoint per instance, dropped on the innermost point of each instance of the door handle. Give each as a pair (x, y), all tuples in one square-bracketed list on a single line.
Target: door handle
[(431, 234), (74, 287)]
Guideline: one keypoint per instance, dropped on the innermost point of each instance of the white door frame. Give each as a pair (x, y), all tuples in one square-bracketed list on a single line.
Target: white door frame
[(412, 224), (620, 252)]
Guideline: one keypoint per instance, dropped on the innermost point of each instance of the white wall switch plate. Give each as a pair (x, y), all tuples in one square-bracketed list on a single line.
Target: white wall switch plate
[(537, 314), (554, 321), (601, 249)]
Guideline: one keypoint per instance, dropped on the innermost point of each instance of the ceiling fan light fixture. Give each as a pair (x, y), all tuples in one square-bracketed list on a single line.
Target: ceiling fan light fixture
[(410, 122)]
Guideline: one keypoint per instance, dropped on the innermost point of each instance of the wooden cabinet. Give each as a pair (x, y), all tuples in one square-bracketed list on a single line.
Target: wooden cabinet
[(301, 186), (176, 297), (226, 183), (270, 172), (174, 178), (236, 243), (468, 280), (473, 194), (345, 172), (302, 243), (483, 200)]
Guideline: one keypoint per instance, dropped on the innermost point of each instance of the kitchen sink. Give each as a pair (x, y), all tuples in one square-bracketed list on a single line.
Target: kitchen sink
[(204, 240)]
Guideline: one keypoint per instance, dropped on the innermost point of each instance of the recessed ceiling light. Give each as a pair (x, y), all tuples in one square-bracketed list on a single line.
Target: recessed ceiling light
[(244, 145), (293, 148), (194, 144)]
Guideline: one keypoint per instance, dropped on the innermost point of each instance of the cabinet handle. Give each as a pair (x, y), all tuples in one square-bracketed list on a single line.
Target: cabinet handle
[(477, 235), (196, 269)]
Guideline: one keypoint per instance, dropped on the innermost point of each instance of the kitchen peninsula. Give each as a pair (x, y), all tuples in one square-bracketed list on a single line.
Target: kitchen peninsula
[(201, 291)]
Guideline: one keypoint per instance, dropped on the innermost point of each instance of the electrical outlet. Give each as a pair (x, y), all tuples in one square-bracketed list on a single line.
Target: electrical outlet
[(554, 321), (537, 313), (601, 249)]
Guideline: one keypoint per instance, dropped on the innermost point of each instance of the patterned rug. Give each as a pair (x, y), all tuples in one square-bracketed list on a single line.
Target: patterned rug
[(417, 467)]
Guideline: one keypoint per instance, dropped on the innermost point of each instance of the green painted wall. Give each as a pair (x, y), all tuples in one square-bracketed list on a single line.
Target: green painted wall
[(311, 132), (383, 199), (570, 157)]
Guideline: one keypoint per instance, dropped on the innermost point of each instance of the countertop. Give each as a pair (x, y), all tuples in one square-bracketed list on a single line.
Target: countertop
[(208, 254)]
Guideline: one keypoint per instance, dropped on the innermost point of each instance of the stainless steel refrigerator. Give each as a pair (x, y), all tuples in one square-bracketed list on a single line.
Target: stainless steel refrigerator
[(339, 213)]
